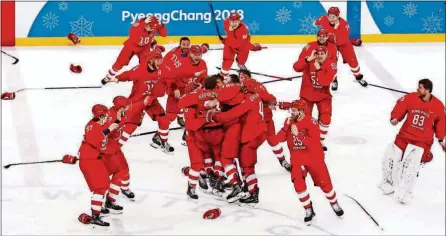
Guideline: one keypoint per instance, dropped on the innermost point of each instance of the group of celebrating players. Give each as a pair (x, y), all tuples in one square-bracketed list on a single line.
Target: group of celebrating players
[(226, 117)]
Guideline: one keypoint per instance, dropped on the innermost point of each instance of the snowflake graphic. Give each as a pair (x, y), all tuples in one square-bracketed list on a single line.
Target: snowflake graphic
[(283, 15), (298, 4), (378, 4), (306, 24), (253, 27), (63, 6), (410, 9), (432, 24), (389, 21), (50, 20), (107, 7), (82, 27)]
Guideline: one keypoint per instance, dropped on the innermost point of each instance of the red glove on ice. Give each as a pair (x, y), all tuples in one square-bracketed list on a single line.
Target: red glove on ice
[(73, 38), (160, 48), (356, 42), (284, 105), (204, 48), (256, 47), (8, 96), (75, 69), (68, 159), (84, 218)]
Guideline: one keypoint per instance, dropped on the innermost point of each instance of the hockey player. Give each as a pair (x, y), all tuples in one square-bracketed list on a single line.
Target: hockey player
[(425, 116), (148, 80), (322, 40), (269, 102), (252, 136), (91, 164), (301, 133), (173, 60), (139, 43), (318, 72), (237, 43), (190, 65), (340, 30)]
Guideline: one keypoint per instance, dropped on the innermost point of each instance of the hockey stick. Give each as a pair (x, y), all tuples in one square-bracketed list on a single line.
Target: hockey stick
[(271, 76), (215, 49), (16, 60), (55, 88), (152, 132), (441, 8), (371, 217), (29, 163), (215, 21), (391, 89), (277, 80)]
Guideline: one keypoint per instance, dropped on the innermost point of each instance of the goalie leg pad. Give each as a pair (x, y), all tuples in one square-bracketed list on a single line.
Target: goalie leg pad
[(408, 173), (391, 164)]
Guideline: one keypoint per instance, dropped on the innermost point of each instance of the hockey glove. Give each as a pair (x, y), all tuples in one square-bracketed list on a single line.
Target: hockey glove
[(256, 47), (284, 105), (8, 96), (68, 159), (73, 38)]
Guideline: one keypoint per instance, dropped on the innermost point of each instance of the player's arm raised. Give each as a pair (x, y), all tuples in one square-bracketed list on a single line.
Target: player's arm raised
[(281, 135)]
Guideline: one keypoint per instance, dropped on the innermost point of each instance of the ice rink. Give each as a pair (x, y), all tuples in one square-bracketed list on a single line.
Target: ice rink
[(46, 124)]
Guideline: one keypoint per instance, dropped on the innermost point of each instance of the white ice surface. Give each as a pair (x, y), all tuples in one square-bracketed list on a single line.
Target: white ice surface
[(46, 124)]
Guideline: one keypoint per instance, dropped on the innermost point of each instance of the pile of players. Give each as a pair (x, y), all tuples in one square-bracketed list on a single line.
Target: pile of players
[(226, 117)]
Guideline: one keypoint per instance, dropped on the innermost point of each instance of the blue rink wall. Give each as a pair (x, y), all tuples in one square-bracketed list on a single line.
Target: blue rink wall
[(107, 23)]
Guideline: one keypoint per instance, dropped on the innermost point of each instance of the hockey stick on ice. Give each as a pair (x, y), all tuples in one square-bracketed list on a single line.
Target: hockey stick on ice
[(30, 163), (371, 217), (152, 132), (216, 49), (271, 76), (391, 89), (56, 88), (215, 21), (16, 60)]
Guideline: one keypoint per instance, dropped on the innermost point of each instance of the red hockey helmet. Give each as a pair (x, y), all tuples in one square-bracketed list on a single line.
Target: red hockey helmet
[(155, 54), (120, 101), (195, 49), (152, 21), (234, 16), (249, 85), (322, 31), (334, 11), (99, 110), (299, 104), (321, 49)]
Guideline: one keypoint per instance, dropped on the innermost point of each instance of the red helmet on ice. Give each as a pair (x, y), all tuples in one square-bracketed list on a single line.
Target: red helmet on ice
[(152, 21), (234, 16), (322, 31), (99, 110), (321, 49), (155, 54), (334, 11), (195, 49), (120, 101), (249, 85)]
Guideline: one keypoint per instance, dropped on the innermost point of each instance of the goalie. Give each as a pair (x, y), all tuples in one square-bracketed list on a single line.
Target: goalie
[(403, 158)]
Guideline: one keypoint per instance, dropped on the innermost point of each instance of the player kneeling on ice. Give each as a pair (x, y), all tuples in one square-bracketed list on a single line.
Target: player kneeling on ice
[(425, 115), (90, 161), (301, 133)]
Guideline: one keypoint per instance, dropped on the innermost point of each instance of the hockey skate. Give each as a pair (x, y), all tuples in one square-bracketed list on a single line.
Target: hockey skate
[(362, 82), (129, 194), (113, 207), (181, 122), (203, 183), (184, 139), (97, 220), (338, 210), (105, 211), (165, 146), (235, 194), (191, 193), (334, 85), (285, 165), (216, 184), (250, 199), (309, 215)]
